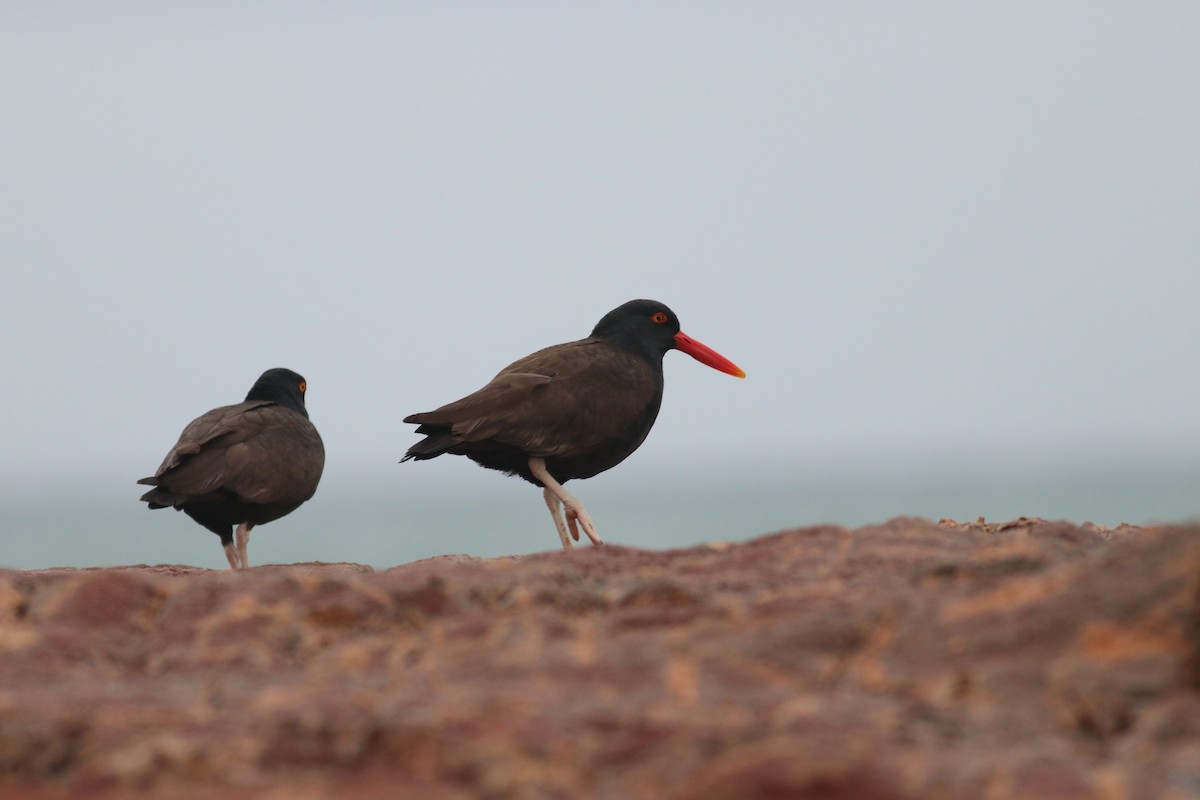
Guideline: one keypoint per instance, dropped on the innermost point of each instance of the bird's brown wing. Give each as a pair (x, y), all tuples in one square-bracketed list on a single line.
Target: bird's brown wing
[(560, 401), (260, 451), (504, 391)]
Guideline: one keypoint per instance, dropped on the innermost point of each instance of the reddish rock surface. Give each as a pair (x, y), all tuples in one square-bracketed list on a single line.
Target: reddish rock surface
[(907, 660)]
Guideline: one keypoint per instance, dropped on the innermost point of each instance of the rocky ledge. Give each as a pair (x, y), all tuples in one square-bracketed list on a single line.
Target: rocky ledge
[(905, 660)]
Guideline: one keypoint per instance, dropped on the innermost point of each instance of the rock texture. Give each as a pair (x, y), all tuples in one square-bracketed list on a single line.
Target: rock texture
[(906, 660)]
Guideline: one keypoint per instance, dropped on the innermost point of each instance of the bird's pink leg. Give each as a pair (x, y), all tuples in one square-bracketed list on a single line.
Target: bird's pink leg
[(242, 535), (231, 553), (574, 508), (555, 506)]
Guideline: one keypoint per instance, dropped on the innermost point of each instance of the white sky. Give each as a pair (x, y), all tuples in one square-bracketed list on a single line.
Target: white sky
[(923, 229)]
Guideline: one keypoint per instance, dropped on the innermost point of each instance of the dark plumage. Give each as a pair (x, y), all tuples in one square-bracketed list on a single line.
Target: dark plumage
[(568, 411), (245, 465)]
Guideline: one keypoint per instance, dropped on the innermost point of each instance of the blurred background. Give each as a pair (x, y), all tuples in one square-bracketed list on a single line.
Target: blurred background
[(954, 247)]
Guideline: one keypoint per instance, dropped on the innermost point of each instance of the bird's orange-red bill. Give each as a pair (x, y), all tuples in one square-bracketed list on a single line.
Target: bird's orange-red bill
[(706, 355)]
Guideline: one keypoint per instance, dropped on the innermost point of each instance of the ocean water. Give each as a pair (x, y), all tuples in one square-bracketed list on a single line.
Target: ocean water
[(463, 509)]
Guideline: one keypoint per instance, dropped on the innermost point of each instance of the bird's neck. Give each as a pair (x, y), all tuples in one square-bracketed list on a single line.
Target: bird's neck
[(639, 347), (274, 394)]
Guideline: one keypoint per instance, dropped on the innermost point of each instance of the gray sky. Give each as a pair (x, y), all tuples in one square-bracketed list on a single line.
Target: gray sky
[(925, 230)]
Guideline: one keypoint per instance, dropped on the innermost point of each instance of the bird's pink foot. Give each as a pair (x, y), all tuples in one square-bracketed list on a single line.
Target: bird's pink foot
[(577, 513)]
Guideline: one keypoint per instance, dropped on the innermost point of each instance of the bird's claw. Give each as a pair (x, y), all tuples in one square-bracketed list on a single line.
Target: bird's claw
[(580, 515)]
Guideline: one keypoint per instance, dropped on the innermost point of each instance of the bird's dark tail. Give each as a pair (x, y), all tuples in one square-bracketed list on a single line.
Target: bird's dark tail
[(158, 497), (438, 440)]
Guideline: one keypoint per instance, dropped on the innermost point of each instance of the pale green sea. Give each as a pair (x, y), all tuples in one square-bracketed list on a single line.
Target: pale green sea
[(388, 522)]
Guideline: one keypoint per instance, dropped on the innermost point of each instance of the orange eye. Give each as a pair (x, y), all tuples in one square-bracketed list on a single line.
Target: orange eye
[(303, 387), (659, 317)]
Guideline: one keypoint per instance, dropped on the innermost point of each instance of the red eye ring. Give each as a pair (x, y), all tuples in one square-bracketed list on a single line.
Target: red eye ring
[(303, 387), (658, 317)]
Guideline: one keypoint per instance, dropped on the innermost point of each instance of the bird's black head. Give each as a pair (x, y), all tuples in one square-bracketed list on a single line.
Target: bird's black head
[(645, 327), (280, 386), (650, 329)]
